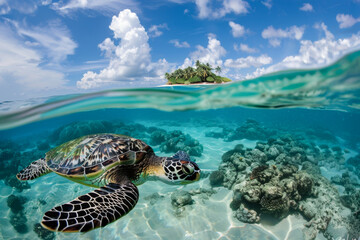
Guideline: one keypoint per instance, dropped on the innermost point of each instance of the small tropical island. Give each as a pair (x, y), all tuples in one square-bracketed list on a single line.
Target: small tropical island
[(202, 74)]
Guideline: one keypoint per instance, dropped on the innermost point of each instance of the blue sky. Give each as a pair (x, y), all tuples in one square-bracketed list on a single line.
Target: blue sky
[(51, 47)]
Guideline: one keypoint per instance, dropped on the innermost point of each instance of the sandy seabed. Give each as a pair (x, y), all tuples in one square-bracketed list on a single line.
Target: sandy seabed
[(209, 218)]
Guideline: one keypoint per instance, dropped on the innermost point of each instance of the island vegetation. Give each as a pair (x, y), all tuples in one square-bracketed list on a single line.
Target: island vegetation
[(201, 74)]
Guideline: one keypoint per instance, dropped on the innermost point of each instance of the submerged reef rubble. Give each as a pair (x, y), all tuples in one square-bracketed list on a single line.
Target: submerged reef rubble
[(173, 141), (251, 130), (354, 164), (282, 176), (181, 200), (168, 141), (17, 217), (43, 233)]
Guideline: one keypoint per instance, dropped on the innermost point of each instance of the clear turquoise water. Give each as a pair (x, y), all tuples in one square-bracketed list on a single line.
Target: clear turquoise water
[(322, 105)]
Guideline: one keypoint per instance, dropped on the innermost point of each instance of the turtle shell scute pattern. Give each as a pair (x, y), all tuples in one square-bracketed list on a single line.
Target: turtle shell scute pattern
[(91, 154)]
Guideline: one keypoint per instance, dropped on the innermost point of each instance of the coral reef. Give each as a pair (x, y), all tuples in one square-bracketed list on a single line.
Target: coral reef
[(17, 217), (169, 142), (281, 176), (158, 136), (79, 129), (178, 141), (251, 130), (181, 198), (43, 233), (12, 181), (354, 164), (216, 178)]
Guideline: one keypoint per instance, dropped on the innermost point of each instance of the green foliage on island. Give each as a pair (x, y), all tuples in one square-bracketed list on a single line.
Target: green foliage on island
[(201, 74)]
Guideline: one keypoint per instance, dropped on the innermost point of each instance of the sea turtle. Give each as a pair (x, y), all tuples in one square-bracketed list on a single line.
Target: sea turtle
[(116, 164)]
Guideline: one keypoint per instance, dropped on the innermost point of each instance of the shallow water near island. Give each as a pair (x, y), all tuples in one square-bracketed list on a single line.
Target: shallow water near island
[(310, 116)]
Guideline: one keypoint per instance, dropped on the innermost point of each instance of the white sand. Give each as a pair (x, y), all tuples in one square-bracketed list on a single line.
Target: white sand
[(205, 219)]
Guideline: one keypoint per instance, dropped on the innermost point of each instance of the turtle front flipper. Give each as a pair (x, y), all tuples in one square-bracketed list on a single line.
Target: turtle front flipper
[(95, 209), (34, 170)]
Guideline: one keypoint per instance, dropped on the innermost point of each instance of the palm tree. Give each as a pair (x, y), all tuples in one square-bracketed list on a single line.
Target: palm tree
[(218, 69)]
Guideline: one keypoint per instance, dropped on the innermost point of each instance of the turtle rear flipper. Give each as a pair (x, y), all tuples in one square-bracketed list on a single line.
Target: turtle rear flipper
[(34, 170), (95, 209)]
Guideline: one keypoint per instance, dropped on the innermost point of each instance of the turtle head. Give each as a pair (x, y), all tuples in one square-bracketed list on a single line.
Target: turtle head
[(178, 169)]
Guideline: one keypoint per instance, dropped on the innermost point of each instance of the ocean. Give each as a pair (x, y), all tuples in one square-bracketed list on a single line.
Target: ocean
[(279, 157)]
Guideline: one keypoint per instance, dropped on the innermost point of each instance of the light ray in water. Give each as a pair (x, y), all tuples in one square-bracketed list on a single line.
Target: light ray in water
[(336, 86)]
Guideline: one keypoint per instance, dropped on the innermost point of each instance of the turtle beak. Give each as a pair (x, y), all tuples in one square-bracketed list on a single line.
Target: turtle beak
[(196, 175), (197, 178)]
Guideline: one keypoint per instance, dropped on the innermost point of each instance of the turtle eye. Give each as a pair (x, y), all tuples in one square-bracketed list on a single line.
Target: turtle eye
[(187, 168)]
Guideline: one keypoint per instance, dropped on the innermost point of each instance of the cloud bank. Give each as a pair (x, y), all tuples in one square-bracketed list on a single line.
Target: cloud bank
[(130, 59)]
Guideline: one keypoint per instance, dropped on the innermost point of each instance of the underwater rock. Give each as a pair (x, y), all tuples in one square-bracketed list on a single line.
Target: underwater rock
[(352, 200), (16, 203), (323, 206), (274, 201), (246, 215), (78, 129), (238, 149), (203, 193), (43, 146), (42, 232), (229, 173), (258, 156), (311, 168), (251, 130), (304, 183), (157, 137), (275, 185), (262, 173), (12, 181), (236, 201), (134, 130), (216, 178), (223, 134), (181, 198), (178, 141), (10, 158), (18, 221), (355, 162), (273, 152), (17, 217), (252, 191), (153, 198), (288, 170)]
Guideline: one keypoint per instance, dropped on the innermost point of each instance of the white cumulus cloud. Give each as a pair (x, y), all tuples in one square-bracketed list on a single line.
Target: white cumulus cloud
[(247, 62), (211, 54), (244, 48), (307, 7), (130, 59), (228, 6), (179, 44), (237, 30), (154, 30), (315, 53), (346, 21), (274, 35)]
